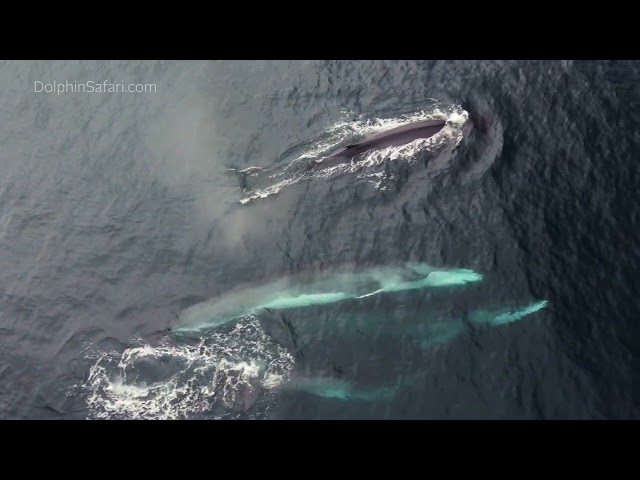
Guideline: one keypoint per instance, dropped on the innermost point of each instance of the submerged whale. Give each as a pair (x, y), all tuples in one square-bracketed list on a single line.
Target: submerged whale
[(388, 138), (315, 288), (429, 330)]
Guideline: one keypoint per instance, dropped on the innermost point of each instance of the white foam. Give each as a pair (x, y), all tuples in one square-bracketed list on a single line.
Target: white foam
[(271, 190), (272, 380), (197, 376)]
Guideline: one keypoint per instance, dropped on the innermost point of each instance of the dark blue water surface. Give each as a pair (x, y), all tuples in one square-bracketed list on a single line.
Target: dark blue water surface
[(118, 211)]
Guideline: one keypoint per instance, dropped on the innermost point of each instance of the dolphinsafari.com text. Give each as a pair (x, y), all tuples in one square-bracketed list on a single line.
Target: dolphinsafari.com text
[(93, 87)]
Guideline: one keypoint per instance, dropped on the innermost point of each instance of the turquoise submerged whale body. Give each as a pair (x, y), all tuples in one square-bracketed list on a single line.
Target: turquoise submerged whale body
[(433, 333), (307, 290)]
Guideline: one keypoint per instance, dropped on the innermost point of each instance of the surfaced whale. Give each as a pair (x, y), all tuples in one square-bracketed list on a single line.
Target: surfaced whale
[(388, 138)]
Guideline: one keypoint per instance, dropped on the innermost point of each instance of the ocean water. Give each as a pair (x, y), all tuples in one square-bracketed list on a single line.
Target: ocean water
[(490, 272)]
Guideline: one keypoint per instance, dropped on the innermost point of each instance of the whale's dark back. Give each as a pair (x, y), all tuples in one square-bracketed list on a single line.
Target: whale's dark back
[(388, 138)]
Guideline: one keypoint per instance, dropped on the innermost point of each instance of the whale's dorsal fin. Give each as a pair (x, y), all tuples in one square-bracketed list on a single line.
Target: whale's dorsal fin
[(353, 145)]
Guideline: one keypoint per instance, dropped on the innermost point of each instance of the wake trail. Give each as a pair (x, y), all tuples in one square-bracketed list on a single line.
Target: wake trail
[(263, 182)]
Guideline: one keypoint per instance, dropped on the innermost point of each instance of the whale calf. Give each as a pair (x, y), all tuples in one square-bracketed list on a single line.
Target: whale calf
[(388, 138), (429, 330)]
